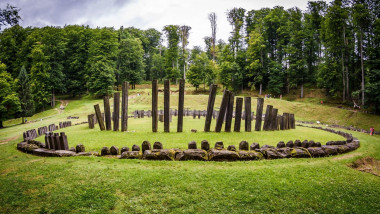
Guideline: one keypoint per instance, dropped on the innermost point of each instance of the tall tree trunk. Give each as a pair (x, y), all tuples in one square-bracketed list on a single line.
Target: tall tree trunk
[(53, 99), (347, 84), (362, 65), (261, 88), (23, 120), (344, 82), (1, 124), (301, 90), (184, 71)]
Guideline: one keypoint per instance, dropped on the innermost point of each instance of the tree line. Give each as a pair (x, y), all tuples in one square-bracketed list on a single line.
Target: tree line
[(334, 46)]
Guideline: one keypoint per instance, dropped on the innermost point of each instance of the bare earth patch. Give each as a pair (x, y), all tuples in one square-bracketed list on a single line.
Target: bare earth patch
[(7, 140), (347, 156), (367, 164)]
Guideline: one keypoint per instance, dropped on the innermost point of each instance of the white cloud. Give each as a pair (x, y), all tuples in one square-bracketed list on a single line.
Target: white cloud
[(143, 14)]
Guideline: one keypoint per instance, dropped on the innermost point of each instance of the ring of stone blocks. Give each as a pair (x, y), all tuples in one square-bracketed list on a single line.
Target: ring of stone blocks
[(291, 149)]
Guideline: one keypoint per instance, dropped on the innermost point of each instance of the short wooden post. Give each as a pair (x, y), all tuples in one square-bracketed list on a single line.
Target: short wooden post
[(273, 119), (222, 112), (292, 121), (247, 107), (166, 106), (259, 113), (285, 121), (230, 110), (107, 112), (99, 117), (181, 100), (116, 111), (90, 119), (238, 110), (267, 118), (210, 107), (124, 107), (281, 121)]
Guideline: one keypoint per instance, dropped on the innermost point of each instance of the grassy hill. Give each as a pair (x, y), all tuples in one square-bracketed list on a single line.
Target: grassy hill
[(31, 184)]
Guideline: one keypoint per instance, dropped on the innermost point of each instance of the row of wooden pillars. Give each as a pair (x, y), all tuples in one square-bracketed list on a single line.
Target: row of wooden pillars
[(272, 120), (116, 111), (181, 99)]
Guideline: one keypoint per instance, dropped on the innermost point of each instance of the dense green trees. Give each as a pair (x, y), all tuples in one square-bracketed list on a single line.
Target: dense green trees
[(9, 101), (334, 46), (25, 94)]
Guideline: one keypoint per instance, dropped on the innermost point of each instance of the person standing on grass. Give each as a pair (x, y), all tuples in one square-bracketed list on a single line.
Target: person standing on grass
[(372, 130)]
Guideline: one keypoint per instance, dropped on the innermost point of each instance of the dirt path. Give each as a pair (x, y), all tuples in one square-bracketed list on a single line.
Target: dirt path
[(7, 140), (64, 103)]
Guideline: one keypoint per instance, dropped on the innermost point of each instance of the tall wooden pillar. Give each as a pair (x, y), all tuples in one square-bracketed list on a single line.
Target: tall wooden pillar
[(166, 106), (99, 117), (116, 111), (259, 113), (230, 110), (124, 107), (273, 122), (222, 112), (267, 120), (247, 107), (210, 107), (181, 100), (238, 110), (154, 105), (107, 112)]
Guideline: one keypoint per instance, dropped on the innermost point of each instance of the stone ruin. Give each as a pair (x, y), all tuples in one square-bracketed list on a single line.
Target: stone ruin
[(64, 124), (57, 146)]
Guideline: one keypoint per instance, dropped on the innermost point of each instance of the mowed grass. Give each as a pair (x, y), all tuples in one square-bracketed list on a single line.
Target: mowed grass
[(141, 129), (32, 184)]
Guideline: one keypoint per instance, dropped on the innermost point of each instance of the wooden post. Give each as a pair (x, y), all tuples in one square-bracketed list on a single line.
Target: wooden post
[(166, 106), (230, 110), (267, 119), (210, 107), (181, 100), (277, 122), (247, 107), (273, 119), (116, 111), (259, 113), (90, 119), (99, 117), (107, 112), (124, 107), (293, 121), (281, 121), (154, 105), (238, 110), (285, 121), (222, 112)]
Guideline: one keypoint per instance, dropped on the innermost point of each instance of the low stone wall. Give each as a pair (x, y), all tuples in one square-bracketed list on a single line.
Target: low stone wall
[(291, 149), (351, 128)]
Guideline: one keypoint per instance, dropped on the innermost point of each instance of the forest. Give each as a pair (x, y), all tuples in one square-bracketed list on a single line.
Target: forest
[(335, 47)]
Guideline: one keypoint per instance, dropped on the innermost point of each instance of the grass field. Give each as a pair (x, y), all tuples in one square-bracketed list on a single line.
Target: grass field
[(31, 184), (139, 131)]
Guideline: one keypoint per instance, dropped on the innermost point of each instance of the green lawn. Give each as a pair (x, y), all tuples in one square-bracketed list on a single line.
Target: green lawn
[(32, 184), (140, 130)]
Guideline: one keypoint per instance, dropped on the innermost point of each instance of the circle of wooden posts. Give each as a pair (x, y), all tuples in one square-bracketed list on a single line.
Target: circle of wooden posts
[(272, 120)]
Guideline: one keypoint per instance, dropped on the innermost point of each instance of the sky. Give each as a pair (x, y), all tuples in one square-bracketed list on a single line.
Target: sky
[(142, 14)]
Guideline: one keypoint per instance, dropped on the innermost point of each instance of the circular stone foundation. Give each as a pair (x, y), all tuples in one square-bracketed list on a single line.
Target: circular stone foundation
[(203, 152)]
